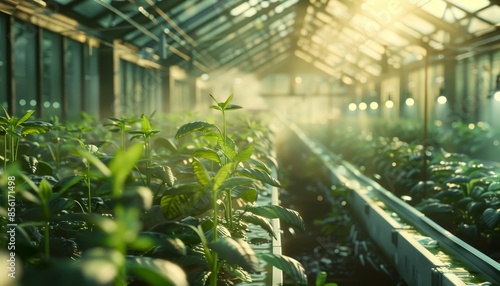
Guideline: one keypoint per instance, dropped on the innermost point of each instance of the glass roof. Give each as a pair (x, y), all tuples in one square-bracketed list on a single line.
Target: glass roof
[(347, 38)]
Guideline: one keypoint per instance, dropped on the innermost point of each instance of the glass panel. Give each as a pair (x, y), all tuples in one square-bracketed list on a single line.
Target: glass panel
[(491, 14), (435, 8), (479, 27), (418, 24), (73, 80), (392, 38), (51, 56), (470, 6), (3, 59), (91, 82), (25, 36), (89, 8)]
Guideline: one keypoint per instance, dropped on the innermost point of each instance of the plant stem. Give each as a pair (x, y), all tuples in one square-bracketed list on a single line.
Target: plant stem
[(123, 138), (88, 188), (148, 159), (46, 238), (5, 153), (214, 274)]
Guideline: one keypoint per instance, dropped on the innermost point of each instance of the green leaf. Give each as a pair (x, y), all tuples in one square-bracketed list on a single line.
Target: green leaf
[(164, 143), (273, 211), (233, 182), (260, 221), (25, 117), (174, 206), (207, 153), (236, 251), (435, 208), (137, 196), (59, 204), (185, 189), (233, 107), (35, 127), (30, 163), (44, 190), (450, 195), (259, 175), (64, 184), (249, 195), (288, 265), (244, 154), (491, 217), (157, 272), (221, 176), (200, 172), (163, 173), (145, 124), (123, 163), (228, 101), (494, 186), (169, 244), (192, 127)]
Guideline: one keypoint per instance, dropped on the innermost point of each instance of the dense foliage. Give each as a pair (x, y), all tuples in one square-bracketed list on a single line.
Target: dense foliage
[(453, 179), (124, 203)]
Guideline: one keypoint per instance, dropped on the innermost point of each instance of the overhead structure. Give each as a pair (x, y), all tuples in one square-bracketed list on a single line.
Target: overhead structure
[(352, 40)]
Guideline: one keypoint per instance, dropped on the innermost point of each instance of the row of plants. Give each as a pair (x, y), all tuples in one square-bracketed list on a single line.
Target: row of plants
[(456, 190), (130, 202)]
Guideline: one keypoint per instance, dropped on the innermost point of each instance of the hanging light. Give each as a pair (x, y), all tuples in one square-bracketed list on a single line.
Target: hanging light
[(441, 99), (389, 103)]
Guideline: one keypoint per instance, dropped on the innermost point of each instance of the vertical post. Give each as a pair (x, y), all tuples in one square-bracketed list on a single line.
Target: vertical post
[(106, 82), (426, 98)]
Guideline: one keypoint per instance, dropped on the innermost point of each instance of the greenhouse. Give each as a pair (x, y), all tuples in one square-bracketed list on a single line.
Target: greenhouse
[(249, 142)]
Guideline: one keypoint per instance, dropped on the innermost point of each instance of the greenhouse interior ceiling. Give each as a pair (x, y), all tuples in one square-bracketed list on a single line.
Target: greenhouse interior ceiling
[(352, 40)]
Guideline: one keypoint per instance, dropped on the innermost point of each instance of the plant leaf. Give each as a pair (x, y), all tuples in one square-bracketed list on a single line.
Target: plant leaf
[(163, 173), (123, 163), (259, 175), (157, 272), (244, 154), (221, 176), (25, 117), (145, 124), (164, 143), (207, 153), (249, 195), (200, 172), (233, 107), (174, 206), (260, 221), (236, 251), (491, 217), (233, 182), (192, 127), (169, 244), (273, 211), (44, 190), (290, 266)]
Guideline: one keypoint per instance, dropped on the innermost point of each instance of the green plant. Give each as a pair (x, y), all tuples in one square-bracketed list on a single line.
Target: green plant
[(146, 133), (122, 126), (224, 173), (13, 129)]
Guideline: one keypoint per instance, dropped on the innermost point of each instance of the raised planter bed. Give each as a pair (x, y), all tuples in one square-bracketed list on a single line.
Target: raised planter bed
[(386, 222)]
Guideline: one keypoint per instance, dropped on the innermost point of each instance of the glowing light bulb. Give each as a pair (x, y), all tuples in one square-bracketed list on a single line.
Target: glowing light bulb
[(389, 104), (442, 99)]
